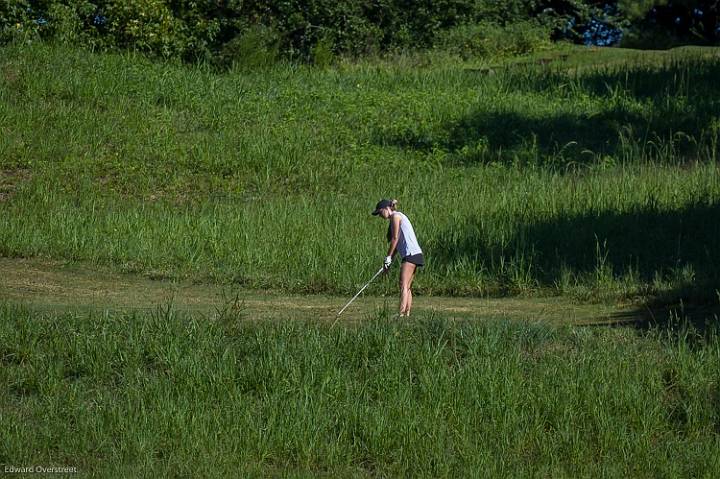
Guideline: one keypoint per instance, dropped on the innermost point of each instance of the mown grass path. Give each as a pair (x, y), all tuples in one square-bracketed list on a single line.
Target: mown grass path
[(51, 285)]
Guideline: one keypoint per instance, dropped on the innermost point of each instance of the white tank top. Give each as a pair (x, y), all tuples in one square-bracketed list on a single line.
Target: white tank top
[(407, 242)]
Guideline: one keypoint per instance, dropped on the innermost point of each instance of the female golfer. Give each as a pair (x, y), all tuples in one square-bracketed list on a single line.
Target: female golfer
[(402, 241)]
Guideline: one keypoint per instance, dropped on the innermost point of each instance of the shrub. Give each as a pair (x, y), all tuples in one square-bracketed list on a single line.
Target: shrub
[(66, 23), (256, 47), (322, 53), (16, 21), (488, 40), (145, 25)]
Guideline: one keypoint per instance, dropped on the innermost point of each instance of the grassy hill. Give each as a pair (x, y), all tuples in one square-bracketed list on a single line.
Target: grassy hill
[(583, 172)]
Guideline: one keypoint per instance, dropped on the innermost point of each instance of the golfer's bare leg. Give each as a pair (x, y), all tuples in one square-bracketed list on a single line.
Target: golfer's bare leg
[(410, 297), (406, 274), (403, 299)]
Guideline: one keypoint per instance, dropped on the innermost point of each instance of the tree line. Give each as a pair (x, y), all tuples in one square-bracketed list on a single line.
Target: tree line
[(257, 32)]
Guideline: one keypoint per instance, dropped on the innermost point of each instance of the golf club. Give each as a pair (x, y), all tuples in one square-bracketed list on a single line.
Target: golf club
[(358, 294)]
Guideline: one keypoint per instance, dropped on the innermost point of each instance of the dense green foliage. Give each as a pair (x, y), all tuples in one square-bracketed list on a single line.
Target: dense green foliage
[(216, 397), (235, 31), (208, 30), (591, 180)]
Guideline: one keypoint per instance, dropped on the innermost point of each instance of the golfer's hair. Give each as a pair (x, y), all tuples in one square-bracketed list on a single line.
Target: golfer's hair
[(389, 231)]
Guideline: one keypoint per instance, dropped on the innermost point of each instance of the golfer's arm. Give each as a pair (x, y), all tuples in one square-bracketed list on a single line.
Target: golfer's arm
[(394, 236)]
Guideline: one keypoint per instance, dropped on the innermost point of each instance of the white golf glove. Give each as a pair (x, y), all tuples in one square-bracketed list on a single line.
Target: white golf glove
[(387, 262)]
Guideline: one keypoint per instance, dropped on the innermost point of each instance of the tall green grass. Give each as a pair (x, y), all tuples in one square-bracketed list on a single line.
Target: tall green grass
[(596, 180), (522, 231), (116, 394)]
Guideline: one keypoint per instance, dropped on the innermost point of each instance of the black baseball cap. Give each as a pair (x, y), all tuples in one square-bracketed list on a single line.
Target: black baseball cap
[(381, 204)]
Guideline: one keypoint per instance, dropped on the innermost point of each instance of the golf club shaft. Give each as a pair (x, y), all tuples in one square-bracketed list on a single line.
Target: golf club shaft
[(361, 290)]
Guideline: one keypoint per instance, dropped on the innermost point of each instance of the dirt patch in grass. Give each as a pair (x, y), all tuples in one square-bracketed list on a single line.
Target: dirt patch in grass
[(10, 180)]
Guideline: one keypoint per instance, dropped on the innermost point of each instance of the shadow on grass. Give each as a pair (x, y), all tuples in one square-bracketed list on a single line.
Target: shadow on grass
[(646, 113), (675, 312), (674, 253)]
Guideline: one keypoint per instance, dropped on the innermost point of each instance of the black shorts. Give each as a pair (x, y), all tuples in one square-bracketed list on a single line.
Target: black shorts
[(416, 259)]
